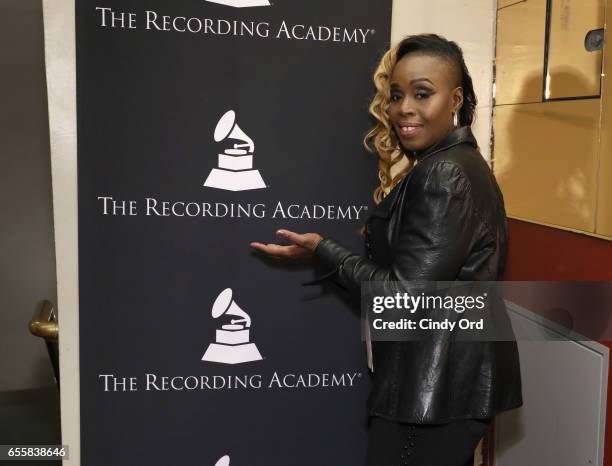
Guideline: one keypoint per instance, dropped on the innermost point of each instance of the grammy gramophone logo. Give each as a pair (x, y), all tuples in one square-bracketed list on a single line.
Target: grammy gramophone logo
[(232, 344), (235, 165), (223, 461), (241, 3)]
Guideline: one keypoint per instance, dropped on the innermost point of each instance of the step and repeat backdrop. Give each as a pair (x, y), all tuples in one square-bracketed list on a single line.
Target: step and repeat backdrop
[(203, 126)]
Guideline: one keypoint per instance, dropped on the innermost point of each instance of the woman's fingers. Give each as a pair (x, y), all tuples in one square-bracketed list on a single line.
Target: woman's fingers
[(306, 240), (277, 251), (292, 236), (266, 248), (302, 247)]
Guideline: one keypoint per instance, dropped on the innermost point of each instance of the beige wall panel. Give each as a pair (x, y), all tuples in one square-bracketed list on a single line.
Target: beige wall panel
[(520, 52), (572, 70), (604, 199), (506, 3), (545, 161)]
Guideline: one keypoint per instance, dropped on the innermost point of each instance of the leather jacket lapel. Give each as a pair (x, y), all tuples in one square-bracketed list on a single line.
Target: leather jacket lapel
[(461, 135), (385, 208)]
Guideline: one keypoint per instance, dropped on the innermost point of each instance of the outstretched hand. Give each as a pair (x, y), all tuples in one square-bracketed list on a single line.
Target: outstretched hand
[(302, 247)]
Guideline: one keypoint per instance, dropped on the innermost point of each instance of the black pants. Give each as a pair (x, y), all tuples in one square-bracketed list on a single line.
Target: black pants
[(392, 443)]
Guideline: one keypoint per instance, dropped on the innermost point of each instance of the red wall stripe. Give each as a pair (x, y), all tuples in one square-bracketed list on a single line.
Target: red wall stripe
[(536, 252)]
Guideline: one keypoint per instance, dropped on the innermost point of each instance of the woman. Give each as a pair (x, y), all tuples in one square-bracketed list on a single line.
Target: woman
[(441, 218)]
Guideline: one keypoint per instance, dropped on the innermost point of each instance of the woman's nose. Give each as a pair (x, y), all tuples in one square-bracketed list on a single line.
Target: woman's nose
[(407, 107)]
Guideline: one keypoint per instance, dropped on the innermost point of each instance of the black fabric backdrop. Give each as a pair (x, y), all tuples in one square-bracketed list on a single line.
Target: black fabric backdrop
[(148, 103)]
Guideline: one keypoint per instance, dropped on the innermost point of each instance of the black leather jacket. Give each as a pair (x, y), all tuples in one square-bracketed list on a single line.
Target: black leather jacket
[(444, 221)]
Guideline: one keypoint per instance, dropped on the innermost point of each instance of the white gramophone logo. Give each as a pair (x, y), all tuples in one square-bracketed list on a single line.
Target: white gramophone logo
[(235, 172), (232, 340), (241, 3), (223, 461)]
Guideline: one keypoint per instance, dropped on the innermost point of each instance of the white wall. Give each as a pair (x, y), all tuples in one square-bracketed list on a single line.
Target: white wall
[(61, 89)]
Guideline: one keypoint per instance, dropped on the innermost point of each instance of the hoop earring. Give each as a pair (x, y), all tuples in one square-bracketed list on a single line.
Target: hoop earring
[(455, 120)]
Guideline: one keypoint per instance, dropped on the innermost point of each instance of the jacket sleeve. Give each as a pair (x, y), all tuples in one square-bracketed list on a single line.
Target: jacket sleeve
[(435, 236)]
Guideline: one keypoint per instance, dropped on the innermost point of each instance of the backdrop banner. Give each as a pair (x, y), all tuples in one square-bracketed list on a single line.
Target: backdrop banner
[(203, 126)]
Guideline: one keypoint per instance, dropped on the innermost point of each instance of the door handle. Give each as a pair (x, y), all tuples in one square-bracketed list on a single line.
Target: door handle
[(45, 324)]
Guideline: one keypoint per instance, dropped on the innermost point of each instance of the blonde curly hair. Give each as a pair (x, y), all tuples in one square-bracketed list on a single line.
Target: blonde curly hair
[(382, 139)]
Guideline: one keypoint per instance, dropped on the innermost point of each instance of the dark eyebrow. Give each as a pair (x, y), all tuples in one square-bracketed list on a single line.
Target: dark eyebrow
[(414, 81), (421, 79)]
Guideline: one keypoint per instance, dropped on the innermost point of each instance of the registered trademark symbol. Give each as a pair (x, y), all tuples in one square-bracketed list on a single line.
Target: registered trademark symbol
[(373, 31), (358, 374)]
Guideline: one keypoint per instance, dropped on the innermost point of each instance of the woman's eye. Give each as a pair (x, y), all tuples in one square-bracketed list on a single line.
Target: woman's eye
[(395, 98), (422, 95)]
